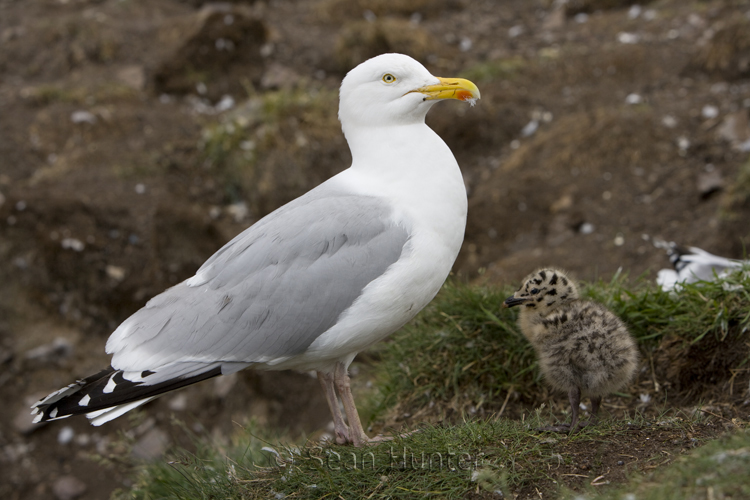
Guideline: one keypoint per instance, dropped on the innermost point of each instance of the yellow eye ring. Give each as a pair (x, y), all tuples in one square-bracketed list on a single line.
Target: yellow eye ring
[(389, 78)]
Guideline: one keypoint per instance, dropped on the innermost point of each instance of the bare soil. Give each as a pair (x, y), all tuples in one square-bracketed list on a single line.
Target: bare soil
[(640, 119)]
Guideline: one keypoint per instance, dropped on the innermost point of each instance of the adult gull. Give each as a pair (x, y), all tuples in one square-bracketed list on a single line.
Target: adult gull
[(318, 280), (692, 264)]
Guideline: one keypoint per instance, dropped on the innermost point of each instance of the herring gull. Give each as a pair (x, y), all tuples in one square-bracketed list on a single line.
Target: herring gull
[(692, 264), (318, 280)]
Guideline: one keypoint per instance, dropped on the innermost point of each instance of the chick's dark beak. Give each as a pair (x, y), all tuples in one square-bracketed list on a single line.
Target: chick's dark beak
[(513, 301)]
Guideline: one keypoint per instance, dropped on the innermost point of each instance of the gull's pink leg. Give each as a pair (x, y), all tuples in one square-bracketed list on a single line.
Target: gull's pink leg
[(340, 429), (356, 432)]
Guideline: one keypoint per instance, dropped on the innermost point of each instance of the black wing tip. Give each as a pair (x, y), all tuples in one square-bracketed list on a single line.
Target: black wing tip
[(88, 395)]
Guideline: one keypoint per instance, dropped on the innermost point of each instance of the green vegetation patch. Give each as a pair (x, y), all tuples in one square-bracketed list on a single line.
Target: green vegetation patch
[(464, 351)]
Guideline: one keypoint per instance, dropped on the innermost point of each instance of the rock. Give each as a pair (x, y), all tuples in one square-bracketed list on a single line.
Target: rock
[(65, 435), (68, 488), (115, 272), (217, 47), (710, 182), (178, 402), (224, 385), (735, 129), (133, 76), (72, 244), (54, 352), (151, 445)]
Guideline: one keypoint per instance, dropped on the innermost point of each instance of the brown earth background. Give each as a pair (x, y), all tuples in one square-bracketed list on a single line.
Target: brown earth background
[(136, 137)]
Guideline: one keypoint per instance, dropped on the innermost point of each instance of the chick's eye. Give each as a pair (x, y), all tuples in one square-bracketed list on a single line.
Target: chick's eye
[(389, 78), (534, 291)]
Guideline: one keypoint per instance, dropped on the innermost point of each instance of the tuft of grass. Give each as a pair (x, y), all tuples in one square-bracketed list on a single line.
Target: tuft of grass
[(463, 349)]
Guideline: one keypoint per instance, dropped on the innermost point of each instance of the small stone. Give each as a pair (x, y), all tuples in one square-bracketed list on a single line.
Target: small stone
[(68, 488), (72, 244), (238, 211), (710, 182), (709, 111), (65, 435), (55, 351), (628, 38), (633, 99), (115, 272), (515, 31), (530, 128), (132, 76), (152, 445), (224, 385), (83, 116), (226, 102), (178, 402)]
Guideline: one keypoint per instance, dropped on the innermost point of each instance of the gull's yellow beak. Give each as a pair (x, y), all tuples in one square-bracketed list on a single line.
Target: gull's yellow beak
[(450, 88)]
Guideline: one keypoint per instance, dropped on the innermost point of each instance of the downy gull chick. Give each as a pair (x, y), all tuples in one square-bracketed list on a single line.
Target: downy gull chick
[(583, 348)]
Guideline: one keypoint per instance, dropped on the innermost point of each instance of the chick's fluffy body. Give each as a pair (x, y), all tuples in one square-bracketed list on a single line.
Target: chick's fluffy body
[(579, 343)]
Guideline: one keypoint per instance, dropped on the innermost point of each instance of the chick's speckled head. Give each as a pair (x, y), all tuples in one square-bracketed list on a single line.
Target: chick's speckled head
[(544, 289)]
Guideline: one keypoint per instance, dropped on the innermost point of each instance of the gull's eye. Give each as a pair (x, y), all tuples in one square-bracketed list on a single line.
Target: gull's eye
[(534, 291), (389, 78)]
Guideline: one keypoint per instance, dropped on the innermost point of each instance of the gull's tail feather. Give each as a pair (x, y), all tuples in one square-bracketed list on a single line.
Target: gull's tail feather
[(110, 393)]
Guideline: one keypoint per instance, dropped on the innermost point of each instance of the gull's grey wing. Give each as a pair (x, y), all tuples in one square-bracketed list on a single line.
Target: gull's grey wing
[(271, 291)]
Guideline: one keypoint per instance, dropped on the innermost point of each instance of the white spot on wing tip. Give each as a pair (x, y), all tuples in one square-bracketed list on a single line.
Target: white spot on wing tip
[(110, 385), (84, 400), (53, 413)]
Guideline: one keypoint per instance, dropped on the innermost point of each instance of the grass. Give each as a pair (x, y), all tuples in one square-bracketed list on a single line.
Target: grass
[(464, 353)]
